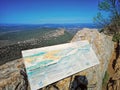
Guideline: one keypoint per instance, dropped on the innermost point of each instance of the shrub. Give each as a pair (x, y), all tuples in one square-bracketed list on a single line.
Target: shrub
[(116, 37), (105, 79)]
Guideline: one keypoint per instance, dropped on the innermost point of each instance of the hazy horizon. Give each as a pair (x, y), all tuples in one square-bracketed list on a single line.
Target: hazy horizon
[(44, 23)]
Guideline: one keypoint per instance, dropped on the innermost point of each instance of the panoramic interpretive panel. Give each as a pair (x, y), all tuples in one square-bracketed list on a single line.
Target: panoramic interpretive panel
[(47, 65)]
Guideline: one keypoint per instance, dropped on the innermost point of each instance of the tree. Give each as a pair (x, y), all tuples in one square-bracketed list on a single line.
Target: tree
[(108, 16)]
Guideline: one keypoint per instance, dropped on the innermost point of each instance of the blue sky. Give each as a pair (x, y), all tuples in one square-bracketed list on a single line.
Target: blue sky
[(47, 11)]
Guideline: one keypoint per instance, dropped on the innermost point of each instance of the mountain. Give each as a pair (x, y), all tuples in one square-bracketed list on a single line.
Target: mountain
[(12, 74)]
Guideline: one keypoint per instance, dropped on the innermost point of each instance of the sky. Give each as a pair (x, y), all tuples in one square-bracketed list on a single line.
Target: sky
[(47, 11)]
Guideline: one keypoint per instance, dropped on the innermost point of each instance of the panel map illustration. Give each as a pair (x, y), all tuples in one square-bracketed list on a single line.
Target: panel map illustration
[(47, 65)]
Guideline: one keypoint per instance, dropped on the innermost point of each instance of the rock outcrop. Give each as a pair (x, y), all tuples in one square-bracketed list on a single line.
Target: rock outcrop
[(52, 34), (114, 80), (13, 77)]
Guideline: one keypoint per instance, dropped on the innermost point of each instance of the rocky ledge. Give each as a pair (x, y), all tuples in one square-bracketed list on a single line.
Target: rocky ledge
[(13, 77), (114, 79)]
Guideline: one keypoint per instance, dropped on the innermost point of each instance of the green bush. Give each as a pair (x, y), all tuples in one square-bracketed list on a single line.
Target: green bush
[(105, 79), (116, 37)]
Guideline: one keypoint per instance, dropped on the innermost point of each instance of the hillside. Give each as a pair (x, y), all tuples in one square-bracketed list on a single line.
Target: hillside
[(12, 51), (9, 37)]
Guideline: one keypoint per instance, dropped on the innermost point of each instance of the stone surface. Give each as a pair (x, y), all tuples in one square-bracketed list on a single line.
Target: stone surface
[(13, 77), (114, 82)]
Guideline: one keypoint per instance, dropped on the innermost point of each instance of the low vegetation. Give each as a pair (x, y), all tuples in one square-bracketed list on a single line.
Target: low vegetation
[(105, 79)]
